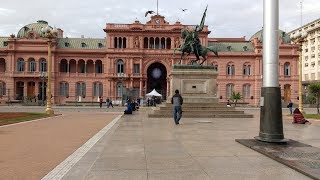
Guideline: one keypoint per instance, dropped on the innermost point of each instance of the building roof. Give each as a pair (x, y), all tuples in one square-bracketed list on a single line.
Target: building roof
[(81, 43), (232, 46), (2, 41), (317, 20), (285, 36), (36, 27)]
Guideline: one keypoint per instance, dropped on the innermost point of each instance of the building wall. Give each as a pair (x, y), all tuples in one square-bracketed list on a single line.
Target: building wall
[(310, 51), (136, 53)]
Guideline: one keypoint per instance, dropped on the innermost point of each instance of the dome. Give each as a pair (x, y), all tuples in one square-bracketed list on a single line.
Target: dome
[(35, 27), (285, 37)]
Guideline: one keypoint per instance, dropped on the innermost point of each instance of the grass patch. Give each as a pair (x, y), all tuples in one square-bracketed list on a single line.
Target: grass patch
[(312, 116), (12, 118)]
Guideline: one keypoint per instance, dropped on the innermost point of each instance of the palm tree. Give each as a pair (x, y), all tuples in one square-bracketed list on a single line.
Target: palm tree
[(235, 97), (315, 90)]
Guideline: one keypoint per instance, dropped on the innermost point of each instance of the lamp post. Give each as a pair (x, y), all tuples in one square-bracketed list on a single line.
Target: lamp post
[(298, 38), (50, 34), (43, 76), (122, 78)]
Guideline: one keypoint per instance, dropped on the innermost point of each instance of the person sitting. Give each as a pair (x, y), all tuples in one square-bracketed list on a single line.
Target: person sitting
[(298, 117), (228, 103), (129, 109)]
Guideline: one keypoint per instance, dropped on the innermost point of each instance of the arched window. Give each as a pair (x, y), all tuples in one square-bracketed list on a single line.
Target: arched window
[(43, 65), (124, 45), (2, 65), (63, 65), (157, 43), (115, 44), (287, 69), (229, 90), (20, 65), (151, 43), (246, 90), (81, 89), (83, 45), (249, 70), (120, 42), (230, 69), (120, 66), (168, 43), (3, 89), (99, 66), (163, 43), (64, 89), (97, 89), (145, 43), (246, 69), (32, 65)]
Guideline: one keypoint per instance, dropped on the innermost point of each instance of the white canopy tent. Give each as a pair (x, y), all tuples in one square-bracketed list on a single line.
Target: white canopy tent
[(154, 93)]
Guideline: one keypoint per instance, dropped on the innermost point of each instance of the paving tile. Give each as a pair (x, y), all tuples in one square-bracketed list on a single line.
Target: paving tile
[(119, 174), (177, 175), (119, 163), (172, 163)]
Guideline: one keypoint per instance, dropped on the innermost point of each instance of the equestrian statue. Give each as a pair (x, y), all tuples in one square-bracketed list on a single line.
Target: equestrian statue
[(192, 45)]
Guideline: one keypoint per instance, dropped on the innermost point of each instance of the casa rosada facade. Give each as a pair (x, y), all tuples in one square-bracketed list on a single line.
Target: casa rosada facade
[(132, 60)]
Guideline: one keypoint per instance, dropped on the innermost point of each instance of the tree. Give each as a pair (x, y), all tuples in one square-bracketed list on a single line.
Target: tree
[(235, 97), (314, 89)]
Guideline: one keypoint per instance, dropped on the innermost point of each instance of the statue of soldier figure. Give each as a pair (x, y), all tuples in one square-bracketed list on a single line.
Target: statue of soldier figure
[(192, 45)]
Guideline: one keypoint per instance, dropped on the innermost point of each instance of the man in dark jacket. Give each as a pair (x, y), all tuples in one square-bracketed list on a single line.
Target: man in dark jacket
[(177, 101)]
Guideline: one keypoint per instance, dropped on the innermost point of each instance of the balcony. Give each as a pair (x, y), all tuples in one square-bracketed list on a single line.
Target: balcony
[(26, 74)]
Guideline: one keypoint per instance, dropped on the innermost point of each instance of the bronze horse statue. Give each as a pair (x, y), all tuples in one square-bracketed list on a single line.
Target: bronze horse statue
[(191, 43)]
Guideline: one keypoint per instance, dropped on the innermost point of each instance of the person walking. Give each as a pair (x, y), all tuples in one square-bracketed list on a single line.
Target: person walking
[(290, 104), (177, 102), (100, 102)]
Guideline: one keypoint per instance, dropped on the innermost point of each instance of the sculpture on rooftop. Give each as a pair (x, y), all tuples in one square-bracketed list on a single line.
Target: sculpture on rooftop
[(192, 45)]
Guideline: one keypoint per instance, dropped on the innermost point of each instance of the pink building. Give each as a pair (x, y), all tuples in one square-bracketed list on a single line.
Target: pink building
[(133, 59)]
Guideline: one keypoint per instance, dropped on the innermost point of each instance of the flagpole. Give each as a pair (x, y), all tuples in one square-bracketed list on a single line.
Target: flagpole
[(157, 7)]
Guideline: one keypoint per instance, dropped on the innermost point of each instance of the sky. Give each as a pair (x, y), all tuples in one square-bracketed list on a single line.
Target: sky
[(232, 18)]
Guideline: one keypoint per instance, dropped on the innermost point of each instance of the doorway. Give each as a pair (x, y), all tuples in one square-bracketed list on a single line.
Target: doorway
[(157, 79)]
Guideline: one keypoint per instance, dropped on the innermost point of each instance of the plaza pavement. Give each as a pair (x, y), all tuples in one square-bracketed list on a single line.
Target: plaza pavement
[(138, 147)]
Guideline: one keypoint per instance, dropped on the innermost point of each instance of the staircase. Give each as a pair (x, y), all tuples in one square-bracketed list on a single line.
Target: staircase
[(200, 110)]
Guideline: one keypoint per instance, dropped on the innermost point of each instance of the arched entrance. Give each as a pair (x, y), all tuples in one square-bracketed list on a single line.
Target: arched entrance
[(157, 78), (287, 92)]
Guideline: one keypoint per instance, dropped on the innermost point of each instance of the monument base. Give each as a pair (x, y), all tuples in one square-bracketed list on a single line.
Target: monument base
[(197, 84)]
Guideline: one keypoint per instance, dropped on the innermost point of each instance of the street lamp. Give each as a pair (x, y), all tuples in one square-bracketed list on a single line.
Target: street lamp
[(50, 34), (43, 76), (299, 38)]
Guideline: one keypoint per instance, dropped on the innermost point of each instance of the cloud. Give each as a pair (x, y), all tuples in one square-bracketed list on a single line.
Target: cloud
[(231, 18)]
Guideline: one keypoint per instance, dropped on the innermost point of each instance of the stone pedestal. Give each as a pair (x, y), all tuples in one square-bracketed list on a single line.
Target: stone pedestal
[(197, 84)]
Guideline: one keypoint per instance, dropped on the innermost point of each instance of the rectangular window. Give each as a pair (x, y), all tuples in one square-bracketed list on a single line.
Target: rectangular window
[(249, 70), (32, 67), (313, 76), (244, 70), (61, 88), (136, 68), (306, 77), (64, 89), (2, 89), (97, 89), (230, 89)]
